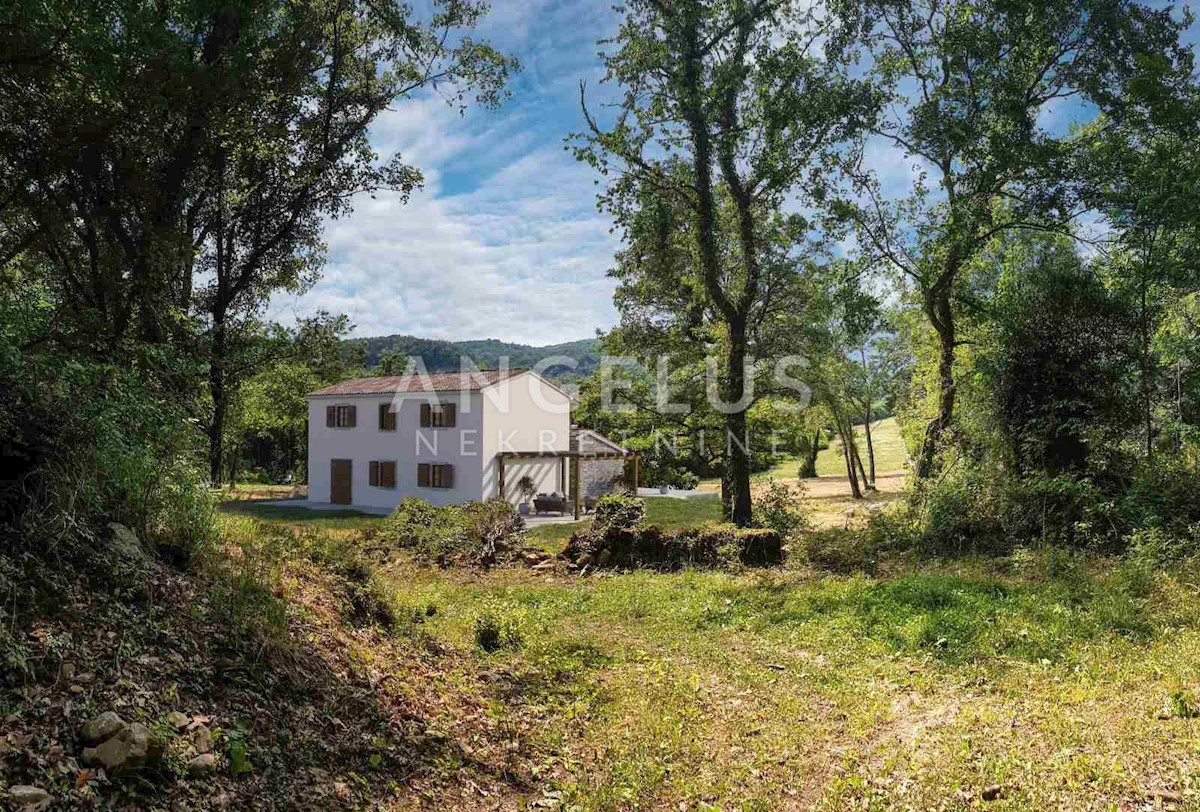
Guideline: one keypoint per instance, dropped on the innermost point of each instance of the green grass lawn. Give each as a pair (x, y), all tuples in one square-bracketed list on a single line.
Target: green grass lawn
[(885, 437), (1034, 682), (791, 690)]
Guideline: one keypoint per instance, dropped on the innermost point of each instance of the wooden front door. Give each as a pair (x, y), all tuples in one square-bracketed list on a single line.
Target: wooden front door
[(339, 477)]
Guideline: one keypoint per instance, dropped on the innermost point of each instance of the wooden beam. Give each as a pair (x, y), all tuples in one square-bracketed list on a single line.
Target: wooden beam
[(547, 455), (500, 464), (633, 486)]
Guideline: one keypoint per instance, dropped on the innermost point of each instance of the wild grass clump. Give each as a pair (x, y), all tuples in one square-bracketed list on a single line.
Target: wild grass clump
[(246, 574), (497, 627)]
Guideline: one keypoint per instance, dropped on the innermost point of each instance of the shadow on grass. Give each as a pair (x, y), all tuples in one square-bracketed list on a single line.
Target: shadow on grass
[(347, 518)]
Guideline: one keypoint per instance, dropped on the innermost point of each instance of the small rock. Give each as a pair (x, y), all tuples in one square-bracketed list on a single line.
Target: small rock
[(202, 739), (178, 721), (68, 671), (127, 750), (24, 795), (124, 543), (103, 727), (76, 689), (202, 765), (992, 793)]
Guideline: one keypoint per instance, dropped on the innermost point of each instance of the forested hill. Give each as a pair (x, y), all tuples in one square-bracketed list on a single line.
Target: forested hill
[(443, 356)]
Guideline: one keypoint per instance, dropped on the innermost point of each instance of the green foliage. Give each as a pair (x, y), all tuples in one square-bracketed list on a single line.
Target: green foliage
[(247, 576), (618, 511), (477, 530), (1055, 359), (779, 508), (87, 443), (707, 546)]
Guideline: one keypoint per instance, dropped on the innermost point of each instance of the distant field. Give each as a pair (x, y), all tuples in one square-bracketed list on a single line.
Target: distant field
[(889, 453)]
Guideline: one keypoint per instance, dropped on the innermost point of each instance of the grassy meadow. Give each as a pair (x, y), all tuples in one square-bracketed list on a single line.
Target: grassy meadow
[(1040, 681)]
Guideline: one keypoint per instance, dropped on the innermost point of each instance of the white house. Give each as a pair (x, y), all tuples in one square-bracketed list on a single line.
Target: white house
[(445, 437)]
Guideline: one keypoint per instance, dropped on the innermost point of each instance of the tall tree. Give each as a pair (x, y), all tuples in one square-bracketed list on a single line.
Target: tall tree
[(971, 88), (174, 164), (726, 104)]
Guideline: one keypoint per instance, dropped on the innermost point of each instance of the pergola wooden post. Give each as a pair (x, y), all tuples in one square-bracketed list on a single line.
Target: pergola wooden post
[(633, 483), (577, 486), (500, 466)]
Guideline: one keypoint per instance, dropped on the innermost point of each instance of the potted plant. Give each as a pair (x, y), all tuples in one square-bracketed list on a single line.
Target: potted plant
[(527, 489)]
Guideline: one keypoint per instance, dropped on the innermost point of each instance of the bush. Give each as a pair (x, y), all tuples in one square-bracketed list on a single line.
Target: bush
[(989, 512), (86, 444), (1163, 497), (776, 507), (616, 511), (477, 530)]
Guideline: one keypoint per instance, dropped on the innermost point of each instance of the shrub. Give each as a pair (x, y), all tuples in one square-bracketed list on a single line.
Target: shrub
[(489, 526), (476, 530), (618, 510), (776, 507), (1163, 495), (988, 511)]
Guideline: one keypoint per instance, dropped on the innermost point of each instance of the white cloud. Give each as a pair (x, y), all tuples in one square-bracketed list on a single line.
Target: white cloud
[(521, 258), (522, 253)]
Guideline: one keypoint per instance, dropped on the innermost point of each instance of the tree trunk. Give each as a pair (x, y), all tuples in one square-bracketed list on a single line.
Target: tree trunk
[(845, 431), (808, 467), (938, 307), (851, 474), (735, 421), (866, 483)]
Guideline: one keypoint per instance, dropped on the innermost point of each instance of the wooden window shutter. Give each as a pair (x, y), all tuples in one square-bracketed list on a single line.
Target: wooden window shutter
[(352, 416), (450, 411), (330, 416), (387, 474), (387, 417), (423, 475), (447, 476), (374, 475), (426, 415)]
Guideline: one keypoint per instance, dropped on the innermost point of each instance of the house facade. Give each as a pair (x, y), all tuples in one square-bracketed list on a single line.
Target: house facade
[(439, 437)]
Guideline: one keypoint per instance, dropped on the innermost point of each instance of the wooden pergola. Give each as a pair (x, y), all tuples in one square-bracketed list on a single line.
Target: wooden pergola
[(576, 458)]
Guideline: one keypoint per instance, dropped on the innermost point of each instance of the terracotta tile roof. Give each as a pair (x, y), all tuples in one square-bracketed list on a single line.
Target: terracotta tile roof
[(434, 382)]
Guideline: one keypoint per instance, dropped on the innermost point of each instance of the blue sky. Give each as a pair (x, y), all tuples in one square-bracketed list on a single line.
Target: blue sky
[(504, 241)]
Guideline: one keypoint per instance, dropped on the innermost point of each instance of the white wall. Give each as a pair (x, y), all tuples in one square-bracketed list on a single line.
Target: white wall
[(460, 446), (524, 413)]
